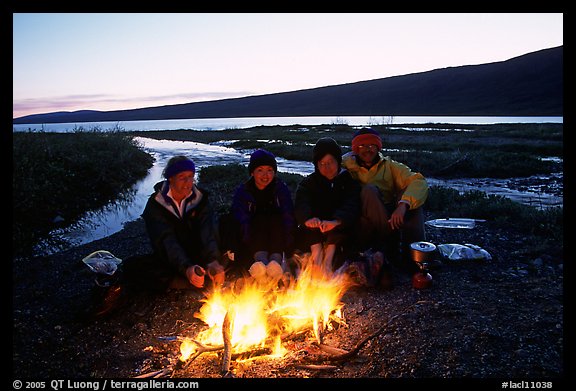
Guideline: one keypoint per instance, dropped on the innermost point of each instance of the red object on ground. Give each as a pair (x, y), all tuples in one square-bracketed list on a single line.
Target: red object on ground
[(422, 280)]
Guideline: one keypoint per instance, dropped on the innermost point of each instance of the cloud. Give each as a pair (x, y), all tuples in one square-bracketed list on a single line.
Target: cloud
[(105, 102)]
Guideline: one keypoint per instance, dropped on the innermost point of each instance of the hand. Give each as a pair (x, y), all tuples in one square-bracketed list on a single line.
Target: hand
[(328, 225), (397, 218), (195, 275), (216, 273), (314, 222)]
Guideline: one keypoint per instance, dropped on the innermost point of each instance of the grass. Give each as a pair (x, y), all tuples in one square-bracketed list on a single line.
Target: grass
[(482, 151), (57, 177)]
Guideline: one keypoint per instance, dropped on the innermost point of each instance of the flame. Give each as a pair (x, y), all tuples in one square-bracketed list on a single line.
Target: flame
[(263, 311)]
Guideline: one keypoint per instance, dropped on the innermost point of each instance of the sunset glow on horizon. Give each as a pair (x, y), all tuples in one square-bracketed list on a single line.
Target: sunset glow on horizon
[(120, 61)]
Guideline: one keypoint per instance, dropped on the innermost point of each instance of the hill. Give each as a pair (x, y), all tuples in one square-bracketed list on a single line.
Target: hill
[(528, 85)]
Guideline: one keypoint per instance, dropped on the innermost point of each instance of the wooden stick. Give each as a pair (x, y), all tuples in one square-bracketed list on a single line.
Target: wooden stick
[(227, 337), (149, 374), (331, 349), (155, 374), (316, 367), (163, 372), (318, 330), (251, 353), (201, 349), (360, 345)]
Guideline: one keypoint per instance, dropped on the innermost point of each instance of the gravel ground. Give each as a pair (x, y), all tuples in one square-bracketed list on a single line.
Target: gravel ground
[(498, 320)]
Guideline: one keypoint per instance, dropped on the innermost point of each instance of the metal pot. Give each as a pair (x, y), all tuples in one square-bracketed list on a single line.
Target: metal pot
[(422, 252)]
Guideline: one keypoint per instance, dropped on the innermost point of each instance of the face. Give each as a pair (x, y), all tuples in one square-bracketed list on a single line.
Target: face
[(263, 175), (367, 152), (181, 184), (328, 166)]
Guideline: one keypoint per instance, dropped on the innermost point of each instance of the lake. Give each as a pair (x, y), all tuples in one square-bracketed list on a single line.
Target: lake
[(242, 123)]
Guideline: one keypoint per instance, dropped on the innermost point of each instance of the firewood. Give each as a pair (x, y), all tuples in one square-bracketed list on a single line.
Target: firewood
[(163, 372), (318, 330), (155, 374), (331, 349), (227, 337), (316, 367), (201, 349), (251, 353), (360, 345)]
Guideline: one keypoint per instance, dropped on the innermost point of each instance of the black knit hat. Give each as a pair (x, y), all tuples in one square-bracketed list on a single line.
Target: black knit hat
[(324, 146), (261, 157)]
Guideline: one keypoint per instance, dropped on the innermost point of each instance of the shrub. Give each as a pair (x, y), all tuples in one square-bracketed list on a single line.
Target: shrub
[(57, 177)]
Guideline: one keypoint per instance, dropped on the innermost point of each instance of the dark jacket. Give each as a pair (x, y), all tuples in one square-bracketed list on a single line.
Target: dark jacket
[(275, 199), (182, 241), (316, 196)]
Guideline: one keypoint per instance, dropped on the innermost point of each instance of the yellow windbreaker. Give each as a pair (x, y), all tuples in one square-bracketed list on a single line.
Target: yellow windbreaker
[(395, 180)]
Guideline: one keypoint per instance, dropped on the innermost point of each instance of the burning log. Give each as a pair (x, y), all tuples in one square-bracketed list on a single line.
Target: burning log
[(318, 331), (201, 348), (251, 353), (257, 318), (227, 337)]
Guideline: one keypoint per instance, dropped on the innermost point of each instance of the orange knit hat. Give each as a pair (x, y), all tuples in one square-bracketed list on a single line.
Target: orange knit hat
[(366, 136)]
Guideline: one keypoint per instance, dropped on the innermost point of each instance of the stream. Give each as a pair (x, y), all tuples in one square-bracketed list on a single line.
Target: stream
[(542, 192)]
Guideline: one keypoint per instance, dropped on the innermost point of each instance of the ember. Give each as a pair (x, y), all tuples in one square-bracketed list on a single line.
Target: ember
[(261, 312)]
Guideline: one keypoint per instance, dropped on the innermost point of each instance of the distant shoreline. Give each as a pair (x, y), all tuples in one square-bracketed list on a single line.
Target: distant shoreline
[(244, 123)]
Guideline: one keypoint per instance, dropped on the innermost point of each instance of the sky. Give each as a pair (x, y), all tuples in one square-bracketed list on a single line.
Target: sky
[(118, 61)]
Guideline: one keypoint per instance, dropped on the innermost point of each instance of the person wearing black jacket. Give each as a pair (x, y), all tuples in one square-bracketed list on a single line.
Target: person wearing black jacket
[(327, 207), (182, 226)]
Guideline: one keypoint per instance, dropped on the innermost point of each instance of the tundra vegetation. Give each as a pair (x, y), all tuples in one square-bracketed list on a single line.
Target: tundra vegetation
[(58, 177)]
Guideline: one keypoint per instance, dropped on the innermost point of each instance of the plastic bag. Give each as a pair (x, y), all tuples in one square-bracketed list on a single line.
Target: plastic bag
[(457, 252), (102, 262)]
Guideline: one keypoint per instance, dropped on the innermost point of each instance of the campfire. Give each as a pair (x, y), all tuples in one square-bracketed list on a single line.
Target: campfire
[(285, 318), (251, 315)]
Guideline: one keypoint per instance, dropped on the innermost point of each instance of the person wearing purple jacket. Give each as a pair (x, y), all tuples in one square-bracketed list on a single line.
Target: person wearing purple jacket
[(264, 211)]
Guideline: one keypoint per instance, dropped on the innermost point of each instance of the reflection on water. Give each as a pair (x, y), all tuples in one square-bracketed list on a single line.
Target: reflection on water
[(111, 219), (532, 194), (242, 123)]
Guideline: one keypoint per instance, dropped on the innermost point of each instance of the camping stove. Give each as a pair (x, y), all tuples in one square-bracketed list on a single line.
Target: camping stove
[(422, 253)]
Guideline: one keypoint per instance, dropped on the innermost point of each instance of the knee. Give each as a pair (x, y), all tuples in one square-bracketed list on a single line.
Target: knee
[(370, 191)]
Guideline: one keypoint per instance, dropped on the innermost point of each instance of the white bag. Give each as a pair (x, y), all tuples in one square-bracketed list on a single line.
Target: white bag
[(102, 262), (457, 252)]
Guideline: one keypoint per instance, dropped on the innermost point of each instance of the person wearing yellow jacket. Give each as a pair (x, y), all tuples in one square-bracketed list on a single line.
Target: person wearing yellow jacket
[(392, 198)]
